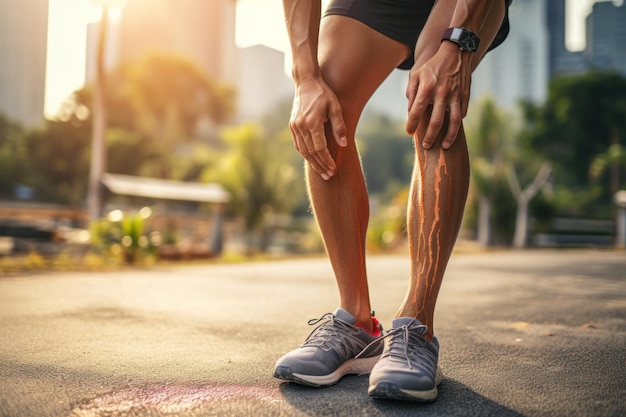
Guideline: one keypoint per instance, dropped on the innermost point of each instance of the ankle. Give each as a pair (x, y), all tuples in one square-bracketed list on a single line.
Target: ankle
[(372, 326)]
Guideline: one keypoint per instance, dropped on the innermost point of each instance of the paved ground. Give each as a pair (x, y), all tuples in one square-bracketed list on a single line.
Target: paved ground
[(534, 333)]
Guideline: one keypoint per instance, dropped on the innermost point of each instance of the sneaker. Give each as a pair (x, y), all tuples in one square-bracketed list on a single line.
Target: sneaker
[(407, 369), (329, 352)]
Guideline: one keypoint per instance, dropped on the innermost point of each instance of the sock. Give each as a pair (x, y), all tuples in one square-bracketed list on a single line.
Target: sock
[(376, 332)]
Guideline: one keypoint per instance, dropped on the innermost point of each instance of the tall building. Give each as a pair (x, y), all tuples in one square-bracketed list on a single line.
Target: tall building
[(262, 82), (203, 30), (555, 23), (519, 68), (606, 31), (23, 46)]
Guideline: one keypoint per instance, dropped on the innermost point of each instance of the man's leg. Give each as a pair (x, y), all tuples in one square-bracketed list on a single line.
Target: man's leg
[(438, 189), (354, 61), (408, 368)]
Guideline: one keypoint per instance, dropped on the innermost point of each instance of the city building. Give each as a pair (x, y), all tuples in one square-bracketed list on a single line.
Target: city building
[(23, 48), (518, 69), (201, 30), (606, 31), (262, 83)]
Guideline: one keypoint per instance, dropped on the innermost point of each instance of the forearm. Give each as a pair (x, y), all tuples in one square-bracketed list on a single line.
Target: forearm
[(471, 14), (302, 18)]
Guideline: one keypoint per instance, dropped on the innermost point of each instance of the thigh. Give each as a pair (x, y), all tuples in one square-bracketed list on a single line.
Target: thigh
[(355, 59)]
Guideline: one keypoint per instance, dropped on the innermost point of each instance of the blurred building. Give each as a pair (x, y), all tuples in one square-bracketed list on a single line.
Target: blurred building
[(519, 68), (535, 51), (198, 29), (262, 83), (606, 31), (23, 46)]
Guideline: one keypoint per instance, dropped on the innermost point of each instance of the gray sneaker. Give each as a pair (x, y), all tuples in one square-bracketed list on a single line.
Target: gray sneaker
[(407, 369), (329, 352)]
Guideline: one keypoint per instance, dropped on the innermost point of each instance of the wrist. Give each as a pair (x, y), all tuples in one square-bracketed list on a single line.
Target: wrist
[(464, 38), (303, 77)]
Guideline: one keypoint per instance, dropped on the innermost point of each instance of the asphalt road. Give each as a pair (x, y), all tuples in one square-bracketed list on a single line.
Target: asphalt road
[(532, 333)]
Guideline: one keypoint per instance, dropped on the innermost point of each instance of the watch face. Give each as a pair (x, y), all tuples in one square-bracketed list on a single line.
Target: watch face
[(468, 41)]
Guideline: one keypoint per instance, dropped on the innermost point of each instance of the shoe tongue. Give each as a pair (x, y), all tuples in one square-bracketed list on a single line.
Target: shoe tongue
[(405, 321), (343, 315)]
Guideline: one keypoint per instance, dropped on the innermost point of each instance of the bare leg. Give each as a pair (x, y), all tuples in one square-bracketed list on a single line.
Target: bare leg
[(438, 190), (341, 204)]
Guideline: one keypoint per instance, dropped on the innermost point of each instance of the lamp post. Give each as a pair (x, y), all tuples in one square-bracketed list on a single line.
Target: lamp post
[(620, 201), (99, 116)]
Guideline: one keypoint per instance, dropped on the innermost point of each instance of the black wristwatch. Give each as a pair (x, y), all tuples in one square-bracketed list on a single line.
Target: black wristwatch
[(465, 38)]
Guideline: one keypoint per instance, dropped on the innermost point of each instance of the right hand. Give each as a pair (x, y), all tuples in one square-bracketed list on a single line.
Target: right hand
[(314, 106)]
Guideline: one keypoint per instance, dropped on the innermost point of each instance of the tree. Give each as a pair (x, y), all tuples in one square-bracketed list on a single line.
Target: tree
[(162, 102), (258, 172), (13, 158), (613, 160), (59, 159), (387, 154), (523, 198), (584, 115), (489, 140)]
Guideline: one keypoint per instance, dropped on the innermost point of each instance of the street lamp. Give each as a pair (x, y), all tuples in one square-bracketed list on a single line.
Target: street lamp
[(99, 118)]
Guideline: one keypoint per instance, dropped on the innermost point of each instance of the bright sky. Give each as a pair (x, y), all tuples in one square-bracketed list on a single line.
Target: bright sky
[(258, 22)]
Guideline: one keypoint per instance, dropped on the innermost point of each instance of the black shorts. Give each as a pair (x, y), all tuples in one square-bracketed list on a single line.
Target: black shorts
[(401, 20)]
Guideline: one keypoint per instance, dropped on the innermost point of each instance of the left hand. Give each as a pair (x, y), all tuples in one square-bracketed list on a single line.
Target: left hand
[(441, 85)]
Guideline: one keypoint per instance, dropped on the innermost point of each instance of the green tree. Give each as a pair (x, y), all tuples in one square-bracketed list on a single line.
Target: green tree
[(259, 173), (614, 161), (59, 159), (490, 141), (583, 116), (161, 102), (387, 154), (13, 157)]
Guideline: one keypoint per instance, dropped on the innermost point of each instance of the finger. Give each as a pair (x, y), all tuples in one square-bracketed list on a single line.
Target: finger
[(420, 104), (319, 150), (295, 137), (411, 92), (301, 140), (454, 123), (335, 116), (315, 164), (434, 124)]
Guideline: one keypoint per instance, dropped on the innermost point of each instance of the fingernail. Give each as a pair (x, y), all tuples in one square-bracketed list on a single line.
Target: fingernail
[(344, 141), (330, 173), (446, 145), (324, 176)]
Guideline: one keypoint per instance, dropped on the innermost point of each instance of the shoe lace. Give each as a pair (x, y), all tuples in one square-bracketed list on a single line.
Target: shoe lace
[(403, 342), (326, 334)]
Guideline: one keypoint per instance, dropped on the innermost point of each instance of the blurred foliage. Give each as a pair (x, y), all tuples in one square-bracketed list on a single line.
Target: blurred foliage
[(124, 235), (387, 154), (387, 227), (583, 116), (58, 160), (259, 173), (13, 157), (157, 107), (166, 120), (164, 115)]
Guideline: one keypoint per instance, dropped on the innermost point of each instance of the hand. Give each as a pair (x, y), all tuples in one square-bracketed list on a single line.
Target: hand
[(441, 85), (315, 105)]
